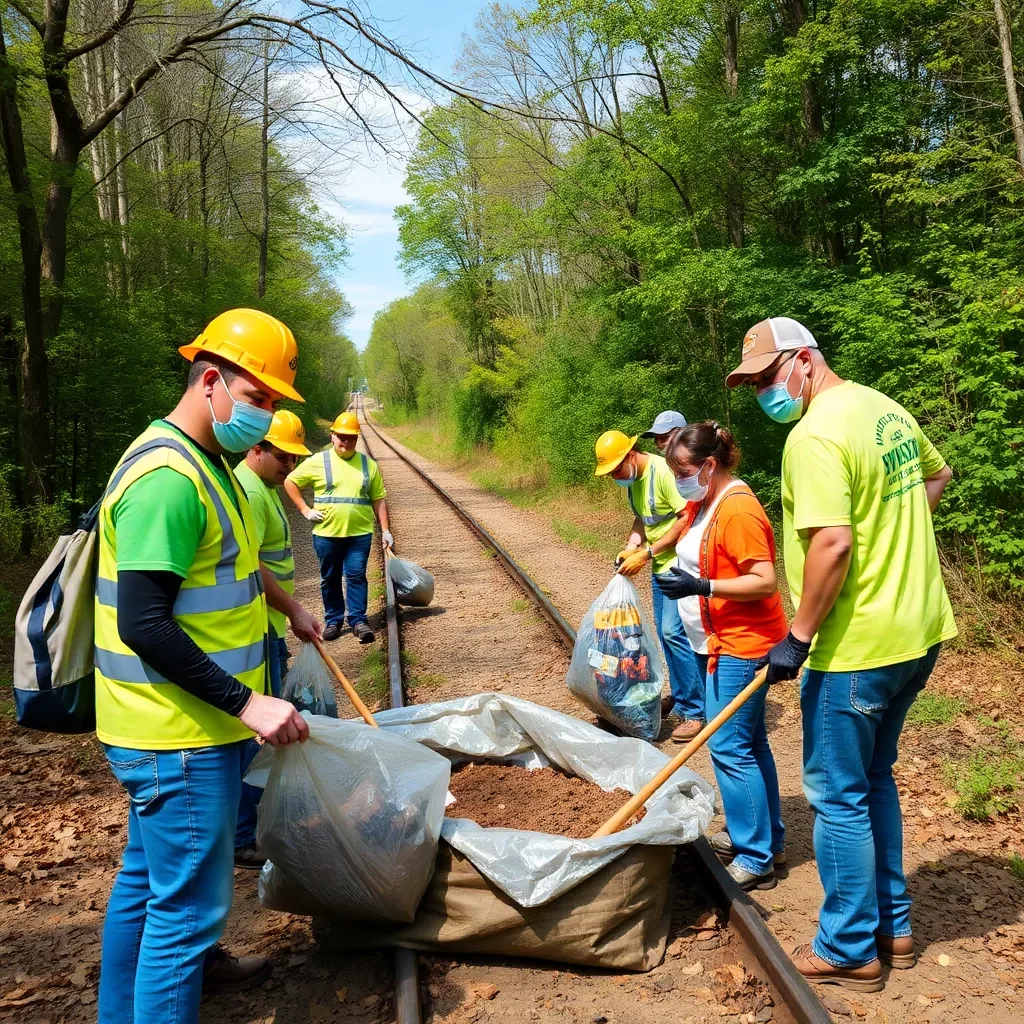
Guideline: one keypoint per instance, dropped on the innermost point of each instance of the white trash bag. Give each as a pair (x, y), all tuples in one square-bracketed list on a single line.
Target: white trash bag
[(349, 821), (309, 684), (414, 586), (616, 668)]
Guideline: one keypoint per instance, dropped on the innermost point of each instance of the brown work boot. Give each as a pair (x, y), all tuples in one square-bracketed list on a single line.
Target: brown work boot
[(867, 978), (686, 730), (249, 857), (363, 633), (897, 951), (667, 704), (225, 973)]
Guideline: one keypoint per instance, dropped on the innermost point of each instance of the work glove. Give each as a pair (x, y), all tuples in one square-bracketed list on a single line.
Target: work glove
[(314, 515), (677, 583), (785, 658), (633, 561), (385, 536)]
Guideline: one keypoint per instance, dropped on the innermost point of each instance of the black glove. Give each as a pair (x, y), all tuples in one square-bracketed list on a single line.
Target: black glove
[(677, 583), (785, 658)]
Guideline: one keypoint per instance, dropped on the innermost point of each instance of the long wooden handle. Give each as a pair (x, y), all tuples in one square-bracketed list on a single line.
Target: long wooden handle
[(349, 689), (635, 802)]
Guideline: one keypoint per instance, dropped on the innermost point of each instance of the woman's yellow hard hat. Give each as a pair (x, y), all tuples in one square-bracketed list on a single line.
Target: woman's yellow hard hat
[(255, 342), (346, 423), (287, 433), (611, 448)]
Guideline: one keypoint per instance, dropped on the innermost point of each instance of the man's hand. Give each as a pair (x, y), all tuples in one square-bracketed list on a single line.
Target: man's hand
[(677, 583), (314, 515), (785, 659), (275, 721), (387, 538), (305, 625), (633, 562)]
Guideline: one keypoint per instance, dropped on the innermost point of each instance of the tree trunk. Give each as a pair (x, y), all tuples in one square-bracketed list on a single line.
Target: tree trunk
[(1012, 99), (732, 45), (32, 369), (261, 276), (733, 185)]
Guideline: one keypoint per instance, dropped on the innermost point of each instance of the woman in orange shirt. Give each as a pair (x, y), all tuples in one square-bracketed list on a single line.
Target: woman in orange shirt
[(729, 602)]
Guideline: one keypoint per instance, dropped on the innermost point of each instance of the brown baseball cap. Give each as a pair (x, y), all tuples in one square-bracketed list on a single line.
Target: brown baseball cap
[(763, 343)]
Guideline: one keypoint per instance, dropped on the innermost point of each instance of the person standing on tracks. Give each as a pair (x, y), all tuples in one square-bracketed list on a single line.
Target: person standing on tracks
[(658, 512), (348, 493), (180, 670), (260, 473), (860, 482), (728, 600)]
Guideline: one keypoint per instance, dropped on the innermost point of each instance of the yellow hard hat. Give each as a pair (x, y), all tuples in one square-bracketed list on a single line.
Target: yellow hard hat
[(611, 448), (254, 341), (287, 433), (346, 423)]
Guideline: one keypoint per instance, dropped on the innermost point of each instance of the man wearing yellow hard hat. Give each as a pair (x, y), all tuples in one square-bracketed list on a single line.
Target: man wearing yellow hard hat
[(181, 669), (260, 473), (348, 493), (658, 520)]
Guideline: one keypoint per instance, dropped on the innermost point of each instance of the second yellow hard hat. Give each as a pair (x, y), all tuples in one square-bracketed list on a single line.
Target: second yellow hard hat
[(346, 423), (287, 433), (611, 448)]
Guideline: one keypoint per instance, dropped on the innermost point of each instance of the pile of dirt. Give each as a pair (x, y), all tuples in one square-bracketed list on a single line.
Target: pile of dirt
[(542, 800)]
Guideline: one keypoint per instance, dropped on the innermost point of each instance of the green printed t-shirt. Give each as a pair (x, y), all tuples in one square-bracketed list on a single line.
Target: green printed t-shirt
[(271, 528), (859, 459), (160, 518), (666, 502), (341, 519)]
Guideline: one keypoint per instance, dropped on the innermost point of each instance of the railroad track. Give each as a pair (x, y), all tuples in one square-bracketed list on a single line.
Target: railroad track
[(795, 1001)]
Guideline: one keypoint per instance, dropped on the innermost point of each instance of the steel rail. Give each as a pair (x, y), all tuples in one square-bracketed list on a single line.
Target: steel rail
[(788, 986)]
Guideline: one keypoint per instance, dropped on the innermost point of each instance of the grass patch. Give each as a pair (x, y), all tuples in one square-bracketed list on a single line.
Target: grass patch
[(409, 659), (987, 783), (519, 604), (1016, 866), (428, 680), (934, 709), (581, 537), (373, 676)]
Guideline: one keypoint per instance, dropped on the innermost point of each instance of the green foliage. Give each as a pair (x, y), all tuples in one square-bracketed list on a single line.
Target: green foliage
[(1016, 865), (934, 709), (986, 784)]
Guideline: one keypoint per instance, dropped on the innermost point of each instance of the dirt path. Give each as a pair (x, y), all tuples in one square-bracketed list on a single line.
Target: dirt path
[(968, 907)]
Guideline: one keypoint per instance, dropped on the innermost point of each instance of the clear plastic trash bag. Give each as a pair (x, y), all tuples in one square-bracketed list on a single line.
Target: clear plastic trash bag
[(616, 668), (349, 821), (414, 586), (309, 684)]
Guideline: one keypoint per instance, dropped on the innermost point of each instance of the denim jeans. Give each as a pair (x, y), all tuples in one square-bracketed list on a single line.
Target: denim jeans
[(245, 829), (343, 557), (685, 676), (171, 898), (744, 766), (852, 723)]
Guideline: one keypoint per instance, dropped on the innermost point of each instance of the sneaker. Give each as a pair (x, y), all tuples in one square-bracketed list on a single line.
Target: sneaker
[(747, 880), (686, 730), (332, 631), (363, 633), (866, 978), (225, 973), (249, 857), (897, 951), (721, 843)]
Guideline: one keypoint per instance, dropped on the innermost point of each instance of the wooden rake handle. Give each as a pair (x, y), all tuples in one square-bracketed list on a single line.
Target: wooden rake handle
[(616, 822), (349, 689)]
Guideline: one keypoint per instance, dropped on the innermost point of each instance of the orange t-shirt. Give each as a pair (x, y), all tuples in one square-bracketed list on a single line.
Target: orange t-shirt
[(739, 533)]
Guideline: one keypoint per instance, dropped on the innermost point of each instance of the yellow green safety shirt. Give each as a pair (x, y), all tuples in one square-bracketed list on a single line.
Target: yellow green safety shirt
[(221, 606), (344, 490), (274, 536), (656, 503)]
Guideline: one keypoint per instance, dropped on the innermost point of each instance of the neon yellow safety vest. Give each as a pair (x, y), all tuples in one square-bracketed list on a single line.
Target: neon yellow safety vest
[(221, 606)]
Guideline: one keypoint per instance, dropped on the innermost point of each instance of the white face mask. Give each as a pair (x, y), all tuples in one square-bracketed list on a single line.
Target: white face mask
[(690, 488)]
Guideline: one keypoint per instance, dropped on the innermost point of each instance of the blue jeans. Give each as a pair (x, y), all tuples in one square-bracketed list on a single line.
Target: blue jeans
[(852, 723), (245, 829), (343, 557), (171, 898), (685, 675), (744, 766)]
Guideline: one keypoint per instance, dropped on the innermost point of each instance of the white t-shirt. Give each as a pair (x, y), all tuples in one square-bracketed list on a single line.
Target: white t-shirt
[(688, 559)]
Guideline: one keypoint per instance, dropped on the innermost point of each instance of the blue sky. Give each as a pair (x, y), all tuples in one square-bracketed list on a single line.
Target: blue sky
[(432, 31)]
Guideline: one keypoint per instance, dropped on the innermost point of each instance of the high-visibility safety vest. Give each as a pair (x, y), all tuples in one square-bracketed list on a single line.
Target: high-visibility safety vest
[(327, 497), (649, 516), (221, 606)]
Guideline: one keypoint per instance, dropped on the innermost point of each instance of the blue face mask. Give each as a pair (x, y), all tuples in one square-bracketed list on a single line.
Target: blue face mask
[(776, 402), (626, 481), (247, 426), (690, 488)]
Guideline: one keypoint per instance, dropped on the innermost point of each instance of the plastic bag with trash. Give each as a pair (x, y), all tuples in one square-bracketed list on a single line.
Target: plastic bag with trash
[(414, 586), (616, 667), (349, 820), (309, 684)]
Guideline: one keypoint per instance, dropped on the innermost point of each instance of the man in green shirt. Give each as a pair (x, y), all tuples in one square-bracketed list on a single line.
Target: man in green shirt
[(859, 484)]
